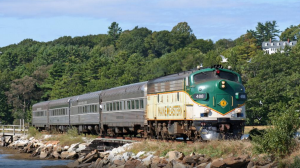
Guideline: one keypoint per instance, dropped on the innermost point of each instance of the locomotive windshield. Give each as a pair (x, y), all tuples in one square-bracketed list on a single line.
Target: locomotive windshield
[(211, 75)]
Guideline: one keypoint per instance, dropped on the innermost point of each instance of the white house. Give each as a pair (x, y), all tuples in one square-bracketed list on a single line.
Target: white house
[(271, 47)]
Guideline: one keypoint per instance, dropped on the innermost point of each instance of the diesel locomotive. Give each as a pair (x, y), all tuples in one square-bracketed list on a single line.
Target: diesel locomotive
[(203, 104)]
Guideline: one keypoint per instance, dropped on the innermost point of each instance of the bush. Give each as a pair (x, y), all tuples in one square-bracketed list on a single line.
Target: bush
[(33, 132), (296, 163), (279, 139)]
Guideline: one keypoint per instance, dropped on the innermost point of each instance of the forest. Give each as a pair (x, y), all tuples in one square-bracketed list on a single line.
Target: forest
[(33, 71)]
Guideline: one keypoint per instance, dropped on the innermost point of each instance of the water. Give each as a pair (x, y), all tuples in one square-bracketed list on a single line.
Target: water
[(9, 159)]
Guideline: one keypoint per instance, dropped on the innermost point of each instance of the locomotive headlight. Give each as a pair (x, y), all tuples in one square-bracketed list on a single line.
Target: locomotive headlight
[(238, 110), (222, 84)]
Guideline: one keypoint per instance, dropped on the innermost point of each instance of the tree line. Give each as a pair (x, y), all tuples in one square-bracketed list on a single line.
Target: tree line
[(33, 71)]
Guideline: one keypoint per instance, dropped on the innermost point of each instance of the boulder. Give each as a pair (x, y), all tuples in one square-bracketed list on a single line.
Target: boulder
[(43, 154), (119, 162), (179, 165), (127, 155), (64, 154), (80, 147), (55, 154), (174, 155), (236, 162), (139, 154), (71, 155), (250, 165), (66, 148), (189, 160), (202, 165), (218, 163), (147, 161), (132, 163), (73, 147)]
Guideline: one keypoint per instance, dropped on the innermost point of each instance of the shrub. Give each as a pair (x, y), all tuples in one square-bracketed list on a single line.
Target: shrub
[(279, 139), (33, 132), (296, 163)]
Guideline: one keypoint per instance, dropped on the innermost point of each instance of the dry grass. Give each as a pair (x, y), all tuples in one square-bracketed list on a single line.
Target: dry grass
[(249, 128), (214, 149)]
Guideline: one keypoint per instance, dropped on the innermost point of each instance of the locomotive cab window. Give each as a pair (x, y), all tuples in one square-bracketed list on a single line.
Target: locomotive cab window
[(212, 75)]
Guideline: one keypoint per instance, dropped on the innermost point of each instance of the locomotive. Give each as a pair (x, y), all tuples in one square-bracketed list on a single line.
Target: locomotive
[(202, 104)]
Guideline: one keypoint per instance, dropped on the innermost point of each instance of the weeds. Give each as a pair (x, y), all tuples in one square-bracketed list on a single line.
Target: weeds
[(214, 149), (33, 132)]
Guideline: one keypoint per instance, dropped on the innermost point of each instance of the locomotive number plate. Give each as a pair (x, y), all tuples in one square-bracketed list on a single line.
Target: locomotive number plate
[(201, 96)]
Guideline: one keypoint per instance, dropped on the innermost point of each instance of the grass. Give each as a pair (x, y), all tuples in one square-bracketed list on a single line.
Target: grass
[(213, 149), (66, 139), (32, 132)]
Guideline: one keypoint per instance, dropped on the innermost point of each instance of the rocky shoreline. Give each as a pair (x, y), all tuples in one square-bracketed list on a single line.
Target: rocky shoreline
[(119, 158)]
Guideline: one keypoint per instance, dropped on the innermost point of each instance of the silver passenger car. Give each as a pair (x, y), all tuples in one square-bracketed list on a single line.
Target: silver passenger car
[(124, 106), (59, 111), (85, 109), (40, 115)]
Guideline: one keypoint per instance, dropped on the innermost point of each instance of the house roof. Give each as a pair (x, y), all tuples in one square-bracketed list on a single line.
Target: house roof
[(277, 44)]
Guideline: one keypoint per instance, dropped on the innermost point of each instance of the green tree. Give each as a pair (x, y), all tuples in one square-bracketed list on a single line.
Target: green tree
[(292, 33), (114, 31), (182, 35)]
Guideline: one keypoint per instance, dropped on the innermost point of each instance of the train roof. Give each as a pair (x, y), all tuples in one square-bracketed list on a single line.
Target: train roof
[(124, 89), (172, 77)]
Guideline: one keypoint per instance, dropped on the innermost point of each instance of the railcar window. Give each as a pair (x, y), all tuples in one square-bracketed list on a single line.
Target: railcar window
[(121, 104), (132, 104), (110, 106), (137, 104), (211, 75), (107, 107), (141, 103), (118, 106), (128, 105)]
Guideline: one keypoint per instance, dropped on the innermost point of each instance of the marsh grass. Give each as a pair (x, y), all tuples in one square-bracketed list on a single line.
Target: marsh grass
[(33, 132), (69, 138), (214, 149)]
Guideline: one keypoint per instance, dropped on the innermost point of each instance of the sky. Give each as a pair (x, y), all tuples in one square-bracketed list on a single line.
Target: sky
[(47, 20)]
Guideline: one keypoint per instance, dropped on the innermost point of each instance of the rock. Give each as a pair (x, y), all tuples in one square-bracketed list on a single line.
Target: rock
[(250, 165), (218, 163), (55, 154), (208, 165), (202, 165), (174, 155), (189, 160), (73, 147), (80, 147), (140, 154), (43, 155), (270, 165), (127, 155), (58, 149), (147, 161), (64, 154), (155, 160), (132, 163), (179, 165), (66, 148), (237, 162), (71, 155), (119, 162)]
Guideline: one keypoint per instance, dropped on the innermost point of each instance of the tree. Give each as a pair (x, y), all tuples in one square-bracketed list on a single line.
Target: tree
[(203, 45), (182, 35), (114, 31), (292, 33), (21, 94), (265, 32)]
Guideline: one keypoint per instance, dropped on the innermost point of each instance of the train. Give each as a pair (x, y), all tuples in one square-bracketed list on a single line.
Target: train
[(200, 104)]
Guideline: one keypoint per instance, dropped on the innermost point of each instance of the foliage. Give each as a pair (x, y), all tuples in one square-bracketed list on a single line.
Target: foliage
[(214, 149), (279, 139), (33, 132), (296, 163), (33, 71)]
